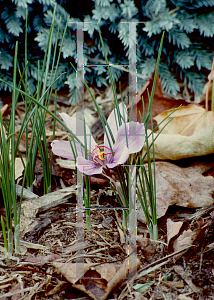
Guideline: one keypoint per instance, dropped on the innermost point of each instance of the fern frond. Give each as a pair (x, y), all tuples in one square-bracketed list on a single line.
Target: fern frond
[(203, 59), (42, 38), (6, 60), (21, 12), (115, 74), (195, 81), (206, 24), (129, 9), (23, 3), (4, 37), (6, 77), (104, 3), (101, 81), (205, 3), (13, 23), (100, 13), (38, 23), (90, 25), (147, 67), (187, 22), (69, 47), (60, 14), (165, 21), (106, 46), (47, 2), (113, 27), (179, 38), (168, 80), (146, 46), (185, 59), (123, 28), (154, 7)]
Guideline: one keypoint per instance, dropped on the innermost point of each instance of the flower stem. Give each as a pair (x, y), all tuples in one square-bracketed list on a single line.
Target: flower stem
[(16, 238), (88, 219)]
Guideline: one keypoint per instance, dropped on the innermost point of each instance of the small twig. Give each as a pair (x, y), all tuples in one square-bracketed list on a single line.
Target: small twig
[(91, 254), (124, 292), (20, 291), (166, 258), (119, 67), (159, 242), (102, 238), (202, 250), (152, 269), (201, 259)]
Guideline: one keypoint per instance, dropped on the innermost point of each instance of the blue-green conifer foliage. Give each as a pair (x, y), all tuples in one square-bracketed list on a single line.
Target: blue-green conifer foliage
[(186, 56)]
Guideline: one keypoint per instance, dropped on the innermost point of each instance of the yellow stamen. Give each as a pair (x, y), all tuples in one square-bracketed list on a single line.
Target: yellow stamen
[(99, 154)]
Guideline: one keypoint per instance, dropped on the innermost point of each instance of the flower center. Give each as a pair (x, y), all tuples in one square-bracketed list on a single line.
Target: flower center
[(99, 153)]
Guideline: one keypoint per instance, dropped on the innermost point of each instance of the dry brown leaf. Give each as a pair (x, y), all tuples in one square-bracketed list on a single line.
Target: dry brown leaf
[(187, 238), (56, 289), (98, 281), (41, 260), (160, 102), (19, 168), (107, 272), (186, 120), (177, 146), (173, 228), (185, 187), (179, 235), (69, 270), (189, 134), (3, 109)]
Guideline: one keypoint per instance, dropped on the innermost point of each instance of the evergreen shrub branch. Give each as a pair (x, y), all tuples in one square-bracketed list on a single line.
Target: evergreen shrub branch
[(187, 52)]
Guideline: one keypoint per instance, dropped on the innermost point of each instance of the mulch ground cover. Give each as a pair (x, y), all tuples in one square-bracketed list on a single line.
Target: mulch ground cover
[(52, 243)]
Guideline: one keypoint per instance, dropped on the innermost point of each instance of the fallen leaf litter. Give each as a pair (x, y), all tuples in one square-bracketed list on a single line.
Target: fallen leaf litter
[(48, 257)]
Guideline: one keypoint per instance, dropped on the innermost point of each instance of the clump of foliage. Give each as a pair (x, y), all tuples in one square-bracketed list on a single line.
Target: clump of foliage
[(186, 54)]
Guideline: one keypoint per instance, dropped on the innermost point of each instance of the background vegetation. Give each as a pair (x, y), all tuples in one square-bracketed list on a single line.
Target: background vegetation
[(186, 55)]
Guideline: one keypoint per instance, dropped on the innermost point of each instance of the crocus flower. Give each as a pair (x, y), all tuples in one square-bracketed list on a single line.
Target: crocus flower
[(100, 156)]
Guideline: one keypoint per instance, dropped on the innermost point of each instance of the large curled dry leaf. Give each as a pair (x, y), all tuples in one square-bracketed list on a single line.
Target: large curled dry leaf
[(189, 134), (186, 120), (97, 281), (177, 146), (185, 187), (180, 235)]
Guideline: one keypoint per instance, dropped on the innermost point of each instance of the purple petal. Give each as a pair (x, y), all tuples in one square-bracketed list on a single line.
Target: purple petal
[(114, 126), (135, 134), (63, 149), (88, 167), (121, 154), (77, 127)]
